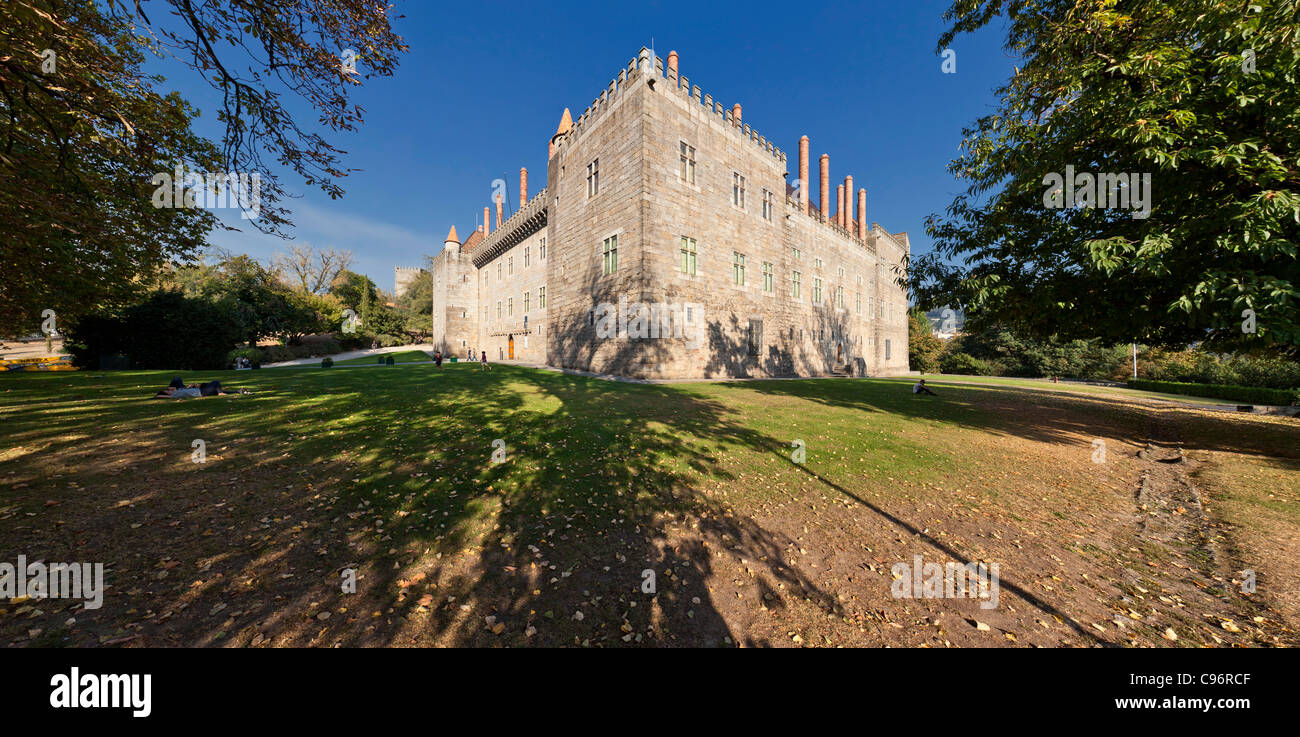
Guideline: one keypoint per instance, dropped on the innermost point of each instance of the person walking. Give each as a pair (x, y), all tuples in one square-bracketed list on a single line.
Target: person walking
[(437, 360), (483, 360)]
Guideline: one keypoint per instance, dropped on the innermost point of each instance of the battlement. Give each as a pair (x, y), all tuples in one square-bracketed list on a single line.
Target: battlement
[(830, 224), (527, 220), (651, 68)]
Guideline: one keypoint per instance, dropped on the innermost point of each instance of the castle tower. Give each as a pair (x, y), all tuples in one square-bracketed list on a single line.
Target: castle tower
[(452, 243)]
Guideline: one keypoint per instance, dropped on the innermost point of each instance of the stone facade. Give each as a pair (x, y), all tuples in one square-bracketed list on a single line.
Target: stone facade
[(404, 277), (656, 267)]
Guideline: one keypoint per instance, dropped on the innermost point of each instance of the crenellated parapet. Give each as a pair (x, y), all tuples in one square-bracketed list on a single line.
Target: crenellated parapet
[(524, 222), (651, 69)]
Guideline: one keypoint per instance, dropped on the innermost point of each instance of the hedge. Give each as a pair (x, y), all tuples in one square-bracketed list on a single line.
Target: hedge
[(1250, 394)]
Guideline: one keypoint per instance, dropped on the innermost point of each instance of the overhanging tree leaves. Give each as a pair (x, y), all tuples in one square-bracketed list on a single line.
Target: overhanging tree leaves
[(81, 138), (1205, 97)]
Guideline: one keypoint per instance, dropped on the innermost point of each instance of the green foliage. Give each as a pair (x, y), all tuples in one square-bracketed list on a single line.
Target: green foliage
[(254, 355), (78, 148), (923, 348), (166, 331), (80, 143), (1252, 394), (1196, 366), (964, 363), (1202, 95), (355, 291)]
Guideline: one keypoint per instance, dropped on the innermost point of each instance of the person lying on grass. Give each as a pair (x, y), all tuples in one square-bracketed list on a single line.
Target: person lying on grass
[(178, 390)]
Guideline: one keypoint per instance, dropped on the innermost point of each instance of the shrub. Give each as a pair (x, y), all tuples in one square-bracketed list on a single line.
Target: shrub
[(1251, 394), (388, 341), (165, 331), (277, 354), (964, 363), (254, 355)]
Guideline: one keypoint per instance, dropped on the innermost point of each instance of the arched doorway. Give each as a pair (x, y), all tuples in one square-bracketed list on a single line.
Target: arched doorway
[(511, 346), (839, 354)]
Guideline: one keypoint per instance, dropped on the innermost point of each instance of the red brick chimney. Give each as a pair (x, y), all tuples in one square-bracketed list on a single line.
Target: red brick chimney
[(803, 173), (735, 114), (498, 210), (487, 225), (672, 62), (839, 205), (848, 202), (862, 214), (523, 186), (826, 187)]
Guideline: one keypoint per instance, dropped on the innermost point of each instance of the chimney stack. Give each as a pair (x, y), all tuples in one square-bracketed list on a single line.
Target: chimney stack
[(826, 187), (498, 210), (523, 186), (735, 114), (839, 205), (487, 225), (862, 214), (672, 63), (848, 202), (803, 173)]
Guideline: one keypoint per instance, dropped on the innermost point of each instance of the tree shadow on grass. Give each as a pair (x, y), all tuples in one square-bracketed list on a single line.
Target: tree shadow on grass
[(390, 471)]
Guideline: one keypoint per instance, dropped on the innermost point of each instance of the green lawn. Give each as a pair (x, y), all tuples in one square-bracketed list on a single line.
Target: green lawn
[(399, 357), (390, 472), (940, 379)]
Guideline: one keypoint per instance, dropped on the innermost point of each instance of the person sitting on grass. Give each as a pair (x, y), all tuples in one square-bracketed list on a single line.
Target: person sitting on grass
[(177, 390), (920, 388)]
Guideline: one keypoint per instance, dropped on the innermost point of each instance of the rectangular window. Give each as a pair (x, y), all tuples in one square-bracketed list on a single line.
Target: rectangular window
[(611, 254), (688, 163), (767, 204), (737, 190), (817, 262), (593, 177), (769, 279), (841, 272), (527, 255), (500, 310), (527, 298), (541, 297), (738, 268), (510, 265), (498, 271), (817, 291), (510, 307), (541, 250), (688, 256), (857, 302), (839, 297), (796, 254), (755, 337), (795, 288), (888, 351)]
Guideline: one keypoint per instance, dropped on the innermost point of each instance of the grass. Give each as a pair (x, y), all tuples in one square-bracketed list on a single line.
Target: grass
[(398, 357), (940, 379), (391, 473)]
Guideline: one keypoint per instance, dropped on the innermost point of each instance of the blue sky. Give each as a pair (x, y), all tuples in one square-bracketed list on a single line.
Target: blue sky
[(483, 87)]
